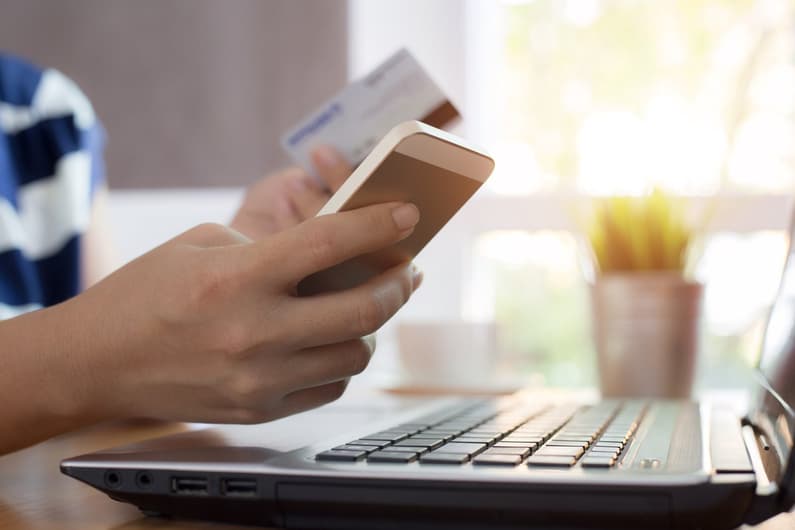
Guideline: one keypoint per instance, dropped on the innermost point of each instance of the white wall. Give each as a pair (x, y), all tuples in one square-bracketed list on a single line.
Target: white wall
[(142, 219), (433, 30)]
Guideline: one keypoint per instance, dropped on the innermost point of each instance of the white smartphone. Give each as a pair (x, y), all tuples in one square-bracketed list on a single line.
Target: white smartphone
[(414, 162)]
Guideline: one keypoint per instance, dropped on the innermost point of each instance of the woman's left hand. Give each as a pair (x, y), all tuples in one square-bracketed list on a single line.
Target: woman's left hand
[(287, 197)]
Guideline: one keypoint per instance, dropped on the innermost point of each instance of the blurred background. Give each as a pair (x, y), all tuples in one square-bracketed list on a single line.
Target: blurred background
[(575, 98)]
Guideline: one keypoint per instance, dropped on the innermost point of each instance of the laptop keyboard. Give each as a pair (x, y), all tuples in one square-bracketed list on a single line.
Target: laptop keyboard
[(553, 437)]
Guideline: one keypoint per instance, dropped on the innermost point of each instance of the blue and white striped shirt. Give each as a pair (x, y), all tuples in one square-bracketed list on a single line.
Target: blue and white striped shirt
[(50, 165)]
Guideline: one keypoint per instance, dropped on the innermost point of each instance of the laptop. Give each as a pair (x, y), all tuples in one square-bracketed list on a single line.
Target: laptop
[(510, 462)]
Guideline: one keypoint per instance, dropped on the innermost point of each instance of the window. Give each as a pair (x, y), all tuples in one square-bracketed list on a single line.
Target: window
[(581, 98), (611, 96)]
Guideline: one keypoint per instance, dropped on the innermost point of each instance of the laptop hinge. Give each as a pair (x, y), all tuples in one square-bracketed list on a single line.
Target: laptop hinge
[(766, 499)]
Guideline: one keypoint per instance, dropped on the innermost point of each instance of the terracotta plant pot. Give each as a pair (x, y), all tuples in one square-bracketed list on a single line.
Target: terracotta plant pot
[(646, 330)]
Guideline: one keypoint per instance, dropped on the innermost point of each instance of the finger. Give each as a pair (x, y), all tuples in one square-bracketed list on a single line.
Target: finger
[(322, 242), (345, 315), (310, 398), (284, 213), (325, 364), (306, 196), (331, 167)]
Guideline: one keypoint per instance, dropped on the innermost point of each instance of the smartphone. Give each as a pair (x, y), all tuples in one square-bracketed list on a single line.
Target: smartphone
[(414, 162)]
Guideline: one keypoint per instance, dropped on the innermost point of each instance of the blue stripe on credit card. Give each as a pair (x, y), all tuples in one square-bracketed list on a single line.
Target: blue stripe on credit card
[(356, 118)]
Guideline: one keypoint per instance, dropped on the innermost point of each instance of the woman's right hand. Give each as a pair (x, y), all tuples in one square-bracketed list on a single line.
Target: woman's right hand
[(207, 327)]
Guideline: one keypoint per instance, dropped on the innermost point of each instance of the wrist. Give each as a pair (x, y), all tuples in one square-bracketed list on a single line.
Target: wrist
[(76, 390), (101, 354), (46, 386)]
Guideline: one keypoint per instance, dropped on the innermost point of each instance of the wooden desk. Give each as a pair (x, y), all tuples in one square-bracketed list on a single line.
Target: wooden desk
[(35, 495)]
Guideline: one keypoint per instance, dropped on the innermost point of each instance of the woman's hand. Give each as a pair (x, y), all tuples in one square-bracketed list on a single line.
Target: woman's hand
[(285, 198), (205, 328)]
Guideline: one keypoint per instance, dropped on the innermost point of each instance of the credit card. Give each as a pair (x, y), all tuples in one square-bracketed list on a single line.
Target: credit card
[(355, 119)]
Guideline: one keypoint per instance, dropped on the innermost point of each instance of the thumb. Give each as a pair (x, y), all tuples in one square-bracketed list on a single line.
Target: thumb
[(331, 167)]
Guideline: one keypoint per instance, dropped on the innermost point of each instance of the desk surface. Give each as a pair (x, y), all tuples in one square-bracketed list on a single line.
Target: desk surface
[(34, 494)]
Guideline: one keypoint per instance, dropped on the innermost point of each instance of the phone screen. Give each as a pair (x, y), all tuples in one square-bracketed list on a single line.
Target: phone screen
[(438, 193)]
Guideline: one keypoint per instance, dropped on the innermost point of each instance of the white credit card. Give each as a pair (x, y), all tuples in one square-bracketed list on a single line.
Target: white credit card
[(355, 119)]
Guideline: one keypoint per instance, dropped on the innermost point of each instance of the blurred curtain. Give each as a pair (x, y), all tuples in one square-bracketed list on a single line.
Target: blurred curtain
[(191, 92)]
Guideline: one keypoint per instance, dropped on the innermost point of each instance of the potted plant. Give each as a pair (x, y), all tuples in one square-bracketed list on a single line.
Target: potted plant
[(645, 308)]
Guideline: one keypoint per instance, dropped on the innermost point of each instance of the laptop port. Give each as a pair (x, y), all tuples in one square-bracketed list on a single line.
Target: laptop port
[(143, 480), (238, 487), (112, 479), (189, 485)]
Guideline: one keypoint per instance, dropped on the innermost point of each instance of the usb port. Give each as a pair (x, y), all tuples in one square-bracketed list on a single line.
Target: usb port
[(189, 485), (238, 487)]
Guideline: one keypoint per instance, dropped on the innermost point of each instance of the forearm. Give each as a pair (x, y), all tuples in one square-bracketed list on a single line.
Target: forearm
[(47, 384)]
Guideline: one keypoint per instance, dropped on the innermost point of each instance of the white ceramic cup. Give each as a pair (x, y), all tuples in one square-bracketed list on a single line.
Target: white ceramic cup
[(448, 354)]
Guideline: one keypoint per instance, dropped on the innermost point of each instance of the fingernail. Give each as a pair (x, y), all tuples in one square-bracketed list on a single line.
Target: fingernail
[(406, 216), (299, 184), (370, 341), (327, 156), (416, 277)]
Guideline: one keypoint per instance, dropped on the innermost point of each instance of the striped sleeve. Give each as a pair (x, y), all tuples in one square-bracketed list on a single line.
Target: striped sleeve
[(50, 166)]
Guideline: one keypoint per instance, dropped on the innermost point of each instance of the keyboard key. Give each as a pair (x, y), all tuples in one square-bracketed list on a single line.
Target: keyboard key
[(513, 438), (546, 450), (538, 440), (571, 438), (463, 424), (613, 445), (571, 431), (407, 431), (444, 458), (507, 451), (374, 443), (421, 441), (436, 434), (598, 461), (506, 443), (406, 449), (395, 457), (340, 456), (496, 460), (521, 451), (551, 461), (524, 438), (610, 445), (475, 439), (470, 434), (557, 443), (445, 430), (620, 439), (411, 427), (351, 447), (603, 451), (463, 448), (485, 432), (424, 444), (497, 425), (536, 433), (389, 436)]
